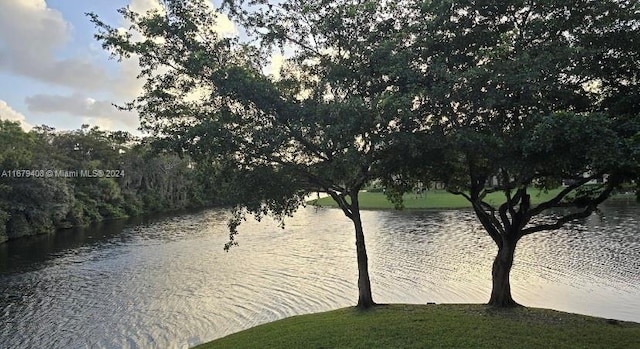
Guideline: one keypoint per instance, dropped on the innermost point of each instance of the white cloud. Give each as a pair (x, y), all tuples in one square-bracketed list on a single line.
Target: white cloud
[(277, 61), (224, 25), (32, 19), (103, 123), (31, 33), (7, 113), (81, 106), (127, 85), (142, 6), (75, 104)]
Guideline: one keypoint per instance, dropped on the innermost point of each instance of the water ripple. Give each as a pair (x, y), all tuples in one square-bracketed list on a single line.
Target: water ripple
[(167, 283)]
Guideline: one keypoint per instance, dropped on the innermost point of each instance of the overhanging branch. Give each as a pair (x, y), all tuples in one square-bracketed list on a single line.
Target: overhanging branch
[(590, 208), (342, 202), (558, 198), (488, 221)]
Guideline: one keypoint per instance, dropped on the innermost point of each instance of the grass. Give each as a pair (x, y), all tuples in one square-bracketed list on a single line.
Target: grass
[(432, 199), (437, 326)]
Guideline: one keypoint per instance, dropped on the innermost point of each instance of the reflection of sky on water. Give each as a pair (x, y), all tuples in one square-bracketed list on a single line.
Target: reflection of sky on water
[(168, 283), (592, 267), (422, 256)]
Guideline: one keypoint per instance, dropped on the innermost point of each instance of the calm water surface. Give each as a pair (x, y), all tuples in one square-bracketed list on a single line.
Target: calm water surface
[(167, 283)]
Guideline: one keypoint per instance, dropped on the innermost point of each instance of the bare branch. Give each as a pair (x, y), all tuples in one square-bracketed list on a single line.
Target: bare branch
[(455, 192), (495, 231), (592, 206), (556, 200), (489, 222), (559, 223), (503, 210), (342, 202)]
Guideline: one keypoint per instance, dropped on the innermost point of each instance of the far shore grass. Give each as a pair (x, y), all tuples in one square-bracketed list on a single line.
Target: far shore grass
[(437, 326), (433, 199)]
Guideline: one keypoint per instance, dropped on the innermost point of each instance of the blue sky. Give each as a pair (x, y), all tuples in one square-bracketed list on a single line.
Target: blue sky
[(53, 72)]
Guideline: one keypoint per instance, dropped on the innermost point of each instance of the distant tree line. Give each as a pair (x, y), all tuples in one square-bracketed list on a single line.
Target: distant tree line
[(122, 176)]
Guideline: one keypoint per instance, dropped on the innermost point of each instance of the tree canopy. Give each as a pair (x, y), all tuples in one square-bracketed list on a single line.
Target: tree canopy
[(326, 124), (523, 95), (480, 96)]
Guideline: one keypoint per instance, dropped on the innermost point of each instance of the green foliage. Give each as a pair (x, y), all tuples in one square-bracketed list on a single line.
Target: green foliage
[(111, 211), (521, 96), (16, 145), (324, 125), (151, 182), (4, 217), (524, 96), (482, 97)]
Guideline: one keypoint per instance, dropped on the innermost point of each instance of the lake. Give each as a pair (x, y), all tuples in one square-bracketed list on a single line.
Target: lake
[(167, 283)]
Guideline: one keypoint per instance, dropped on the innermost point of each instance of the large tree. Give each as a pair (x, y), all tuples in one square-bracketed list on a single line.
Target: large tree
[(527, 95), (323, 126)]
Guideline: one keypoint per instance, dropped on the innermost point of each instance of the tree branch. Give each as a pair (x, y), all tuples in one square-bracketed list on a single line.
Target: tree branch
[(495, 231), (556, 200), (490, 223), (559, 223), (502, 210), (342, 202), (592, 206)]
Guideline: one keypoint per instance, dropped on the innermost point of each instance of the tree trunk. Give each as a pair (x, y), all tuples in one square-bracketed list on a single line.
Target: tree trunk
[(501, 290), (365, 299)]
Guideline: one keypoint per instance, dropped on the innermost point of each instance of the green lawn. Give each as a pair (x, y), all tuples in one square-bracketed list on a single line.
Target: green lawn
[(437, 326), (433, 199)]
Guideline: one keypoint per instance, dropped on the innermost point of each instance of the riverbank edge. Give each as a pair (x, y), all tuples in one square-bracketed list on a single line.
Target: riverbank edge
[(375, 201), (55, 230), (325, 202), (431, 325)]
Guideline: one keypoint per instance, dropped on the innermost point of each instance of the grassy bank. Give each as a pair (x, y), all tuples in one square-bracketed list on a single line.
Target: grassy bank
[(433, 199), (437, 326), (438, 199)]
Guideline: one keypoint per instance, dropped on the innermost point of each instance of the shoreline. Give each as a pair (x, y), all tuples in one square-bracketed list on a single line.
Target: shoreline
[(437, 201), (436, 325)]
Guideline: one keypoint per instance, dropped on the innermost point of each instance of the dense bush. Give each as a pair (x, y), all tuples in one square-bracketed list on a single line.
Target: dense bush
[(147, 180)]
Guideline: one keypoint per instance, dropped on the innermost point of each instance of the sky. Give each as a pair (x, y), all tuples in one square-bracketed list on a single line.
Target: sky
[(53, 72)]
